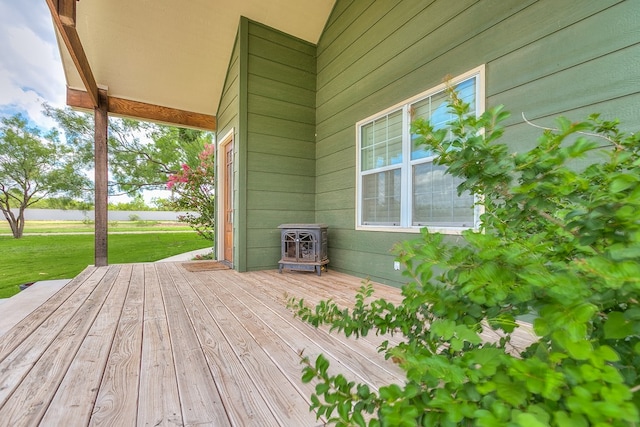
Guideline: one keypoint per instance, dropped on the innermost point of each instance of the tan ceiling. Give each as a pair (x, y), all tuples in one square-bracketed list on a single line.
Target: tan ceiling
[(175, 53)]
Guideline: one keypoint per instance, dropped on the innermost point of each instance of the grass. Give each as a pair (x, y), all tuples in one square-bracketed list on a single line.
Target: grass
[(63, 256), (88, 226)]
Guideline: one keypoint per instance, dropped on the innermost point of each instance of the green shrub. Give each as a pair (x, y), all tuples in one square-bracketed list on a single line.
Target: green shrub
[(557, 242)]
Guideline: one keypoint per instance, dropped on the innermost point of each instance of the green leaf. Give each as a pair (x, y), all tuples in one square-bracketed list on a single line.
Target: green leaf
[(565, 420), (308, 374), (621, 252), (343, 410), (485, 418), (529, 420), (607, 353), (454, 413), (511, 392), (467, 334), (390, 392), (579, 350), (622, 182), (363, 391), (617, 327), (541, 327), (322, 388), (358, 419), (443, 328), (322, 364)]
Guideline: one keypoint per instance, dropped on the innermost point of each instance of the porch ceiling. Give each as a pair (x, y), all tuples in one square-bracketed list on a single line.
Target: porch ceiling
[(175, 53)]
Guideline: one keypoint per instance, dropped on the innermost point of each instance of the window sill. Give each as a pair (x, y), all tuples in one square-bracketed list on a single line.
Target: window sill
[(455, 231)]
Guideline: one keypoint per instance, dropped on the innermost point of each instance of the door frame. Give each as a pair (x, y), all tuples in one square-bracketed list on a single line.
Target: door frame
[(227, 139)]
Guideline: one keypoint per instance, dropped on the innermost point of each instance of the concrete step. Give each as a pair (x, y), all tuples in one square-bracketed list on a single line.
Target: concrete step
[(17, 307)]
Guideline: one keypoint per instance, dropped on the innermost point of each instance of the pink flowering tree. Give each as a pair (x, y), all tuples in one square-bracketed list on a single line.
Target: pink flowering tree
[(193, 189)]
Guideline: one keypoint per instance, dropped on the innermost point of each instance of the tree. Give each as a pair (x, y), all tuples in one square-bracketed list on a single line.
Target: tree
[(141, 154), (33, 166), (558, 242), (195, 189)]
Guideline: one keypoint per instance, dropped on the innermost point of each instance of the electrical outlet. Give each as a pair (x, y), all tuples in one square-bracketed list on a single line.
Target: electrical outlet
[(396, 265)]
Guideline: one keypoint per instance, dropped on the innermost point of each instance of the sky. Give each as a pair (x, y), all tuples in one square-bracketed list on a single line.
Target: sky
[(30, 68)]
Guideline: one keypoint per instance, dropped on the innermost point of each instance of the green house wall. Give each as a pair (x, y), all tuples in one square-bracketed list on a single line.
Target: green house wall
[(269, 99), (294, 105), (543, 58)]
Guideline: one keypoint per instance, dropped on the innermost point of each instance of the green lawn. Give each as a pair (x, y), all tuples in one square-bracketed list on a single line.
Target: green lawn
[(88, 226), (57, 256)]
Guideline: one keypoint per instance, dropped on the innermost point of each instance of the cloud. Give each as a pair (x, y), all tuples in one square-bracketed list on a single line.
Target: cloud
[(30, 71)]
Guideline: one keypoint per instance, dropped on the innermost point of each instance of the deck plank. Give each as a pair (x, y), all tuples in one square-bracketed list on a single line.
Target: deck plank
[(36, 390), (270, 288), (199, 398), (370, 367), (241, 397), (117, 400), (73, 401), (274, 387), (338, 287), (158, 399)]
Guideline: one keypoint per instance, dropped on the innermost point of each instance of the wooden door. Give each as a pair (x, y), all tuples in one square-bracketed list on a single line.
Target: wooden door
[(228, 202)]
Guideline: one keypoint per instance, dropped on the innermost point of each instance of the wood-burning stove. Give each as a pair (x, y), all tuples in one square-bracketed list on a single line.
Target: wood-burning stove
[(304, 247)]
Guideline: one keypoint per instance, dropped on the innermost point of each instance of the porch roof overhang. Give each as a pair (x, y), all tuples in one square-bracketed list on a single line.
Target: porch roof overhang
[(165, 60)]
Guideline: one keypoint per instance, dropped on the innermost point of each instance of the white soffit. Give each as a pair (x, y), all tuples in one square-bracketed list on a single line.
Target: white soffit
[(175, 53)]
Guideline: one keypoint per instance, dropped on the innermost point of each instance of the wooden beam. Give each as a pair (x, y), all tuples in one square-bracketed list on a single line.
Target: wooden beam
[(63, 13), (79, 99), (144, 111), (101, 180), (67, 12)]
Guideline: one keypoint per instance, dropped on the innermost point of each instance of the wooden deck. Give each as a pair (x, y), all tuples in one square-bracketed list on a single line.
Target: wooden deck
[(155, 344)]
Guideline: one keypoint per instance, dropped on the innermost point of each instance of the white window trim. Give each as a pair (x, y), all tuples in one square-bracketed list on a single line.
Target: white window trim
[(480, 108)]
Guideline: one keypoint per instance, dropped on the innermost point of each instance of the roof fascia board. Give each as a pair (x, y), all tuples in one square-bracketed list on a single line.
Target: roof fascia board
[(63, 13), (67, 11)]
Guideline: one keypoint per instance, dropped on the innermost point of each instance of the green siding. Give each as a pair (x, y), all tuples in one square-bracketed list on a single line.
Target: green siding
[(544, 58), (294, 105), (269, 99), (280, 103)]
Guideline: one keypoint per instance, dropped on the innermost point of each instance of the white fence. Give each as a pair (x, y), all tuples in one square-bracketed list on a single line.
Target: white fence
[(77, 215)]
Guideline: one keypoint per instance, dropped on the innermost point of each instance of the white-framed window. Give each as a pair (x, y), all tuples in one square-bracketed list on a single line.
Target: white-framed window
[(399, 188)]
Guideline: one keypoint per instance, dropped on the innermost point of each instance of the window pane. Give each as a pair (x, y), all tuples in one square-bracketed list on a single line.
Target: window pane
[(435, 109), (381, 142), (435, 198), (394, 141), (366, 143), (440, 115), (421, 109), (436, 201), (381, 198), (467, 92)]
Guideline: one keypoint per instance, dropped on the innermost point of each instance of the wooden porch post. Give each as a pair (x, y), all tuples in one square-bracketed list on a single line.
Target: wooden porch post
[(101, 179)]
